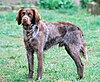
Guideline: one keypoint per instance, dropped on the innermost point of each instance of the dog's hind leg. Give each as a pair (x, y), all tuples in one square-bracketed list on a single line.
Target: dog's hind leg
[(76, 57), (72, 43)]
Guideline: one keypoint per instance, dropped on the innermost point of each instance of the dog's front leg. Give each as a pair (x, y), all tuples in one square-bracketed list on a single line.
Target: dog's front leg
[(40, 62), (30, 58)]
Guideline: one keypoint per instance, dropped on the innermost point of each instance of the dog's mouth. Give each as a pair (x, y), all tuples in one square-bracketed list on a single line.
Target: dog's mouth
[(25, 24), (27, 27)]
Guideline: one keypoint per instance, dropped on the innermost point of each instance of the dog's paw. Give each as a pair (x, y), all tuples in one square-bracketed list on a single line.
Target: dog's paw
[(38, 78), (29, 76), (79, 78)]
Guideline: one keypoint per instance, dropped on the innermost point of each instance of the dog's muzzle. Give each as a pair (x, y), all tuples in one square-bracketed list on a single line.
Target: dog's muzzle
[(28, 27), (26, 20)]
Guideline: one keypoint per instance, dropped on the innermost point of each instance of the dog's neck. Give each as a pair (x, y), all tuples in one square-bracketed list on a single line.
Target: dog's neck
[(30, 31)]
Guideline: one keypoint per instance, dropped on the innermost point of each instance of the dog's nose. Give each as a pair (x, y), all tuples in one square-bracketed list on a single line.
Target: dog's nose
[(25, 19)]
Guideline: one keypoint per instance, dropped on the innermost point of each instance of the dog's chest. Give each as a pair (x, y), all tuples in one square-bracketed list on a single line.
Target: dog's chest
[(31, 39)]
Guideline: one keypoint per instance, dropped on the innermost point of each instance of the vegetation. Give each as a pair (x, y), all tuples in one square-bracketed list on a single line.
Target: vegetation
[(56, 4), (85, 2), (58, 66)]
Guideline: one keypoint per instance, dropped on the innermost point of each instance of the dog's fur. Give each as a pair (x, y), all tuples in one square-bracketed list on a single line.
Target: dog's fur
[(40, 35)]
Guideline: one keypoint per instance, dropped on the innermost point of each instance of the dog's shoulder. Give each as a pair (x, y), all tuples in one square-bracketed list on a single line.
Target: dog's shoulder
[(42, 25)]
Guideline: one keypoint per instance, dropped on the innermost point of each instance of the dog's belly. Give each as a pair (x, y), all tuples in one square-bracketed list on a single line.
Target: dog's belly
[(52, 41)]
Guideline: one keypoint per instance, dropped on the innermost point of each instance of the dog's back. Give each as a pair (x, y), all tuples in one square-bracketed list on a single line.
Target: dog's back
[(64, 33)]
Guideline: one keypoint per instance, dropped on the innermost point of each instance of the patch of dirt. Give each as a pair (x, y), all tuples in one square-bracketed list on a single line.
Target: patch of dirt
[(16, 4), (63, 80), (2, 80), (15, 1)]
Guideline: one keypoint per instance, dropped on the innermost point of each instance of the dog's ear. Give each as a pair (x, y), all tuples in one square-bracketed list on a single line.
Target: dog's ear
[(36, 16), (18, 18)]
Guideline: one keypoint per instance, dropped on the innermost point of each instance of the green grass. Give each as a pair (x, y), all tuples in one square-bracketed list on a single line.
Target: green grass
[(58, 66)]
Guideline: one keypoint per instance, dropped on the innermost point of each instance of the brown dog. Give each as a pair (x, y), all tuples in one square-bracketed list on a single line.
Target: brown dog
[(40, 35)]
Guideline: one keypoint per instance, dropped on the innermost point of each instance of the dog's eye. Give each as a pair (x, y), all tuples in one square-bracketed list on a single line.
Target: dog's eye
[(23, 13), (29, 14)]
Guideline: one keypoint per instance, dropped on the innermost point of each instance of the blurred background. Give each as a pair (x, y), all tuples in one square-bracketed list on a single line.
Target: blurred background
[(93, 6), (58, 65)]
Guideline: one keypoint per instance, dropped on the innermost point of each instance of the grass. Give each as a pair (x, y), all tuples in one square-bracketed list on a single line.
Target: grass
[(58, 66)]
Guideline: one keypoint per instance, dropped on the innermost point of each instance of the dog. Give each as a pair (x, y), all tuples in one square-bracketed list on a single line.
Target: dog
[(40, 35)]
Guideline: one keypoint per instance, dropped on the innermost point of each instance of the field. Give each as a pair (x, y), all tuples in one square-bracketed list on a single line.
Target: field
[(58, 66)]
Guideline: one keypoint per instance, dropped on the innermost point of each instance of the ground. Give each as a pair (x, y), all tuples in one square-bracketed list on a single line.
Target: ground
[(58, 66)]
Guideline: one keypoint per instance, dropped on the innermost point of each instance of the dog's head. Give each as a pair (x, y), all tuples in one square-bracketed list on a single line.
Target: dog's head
[(27, 16)]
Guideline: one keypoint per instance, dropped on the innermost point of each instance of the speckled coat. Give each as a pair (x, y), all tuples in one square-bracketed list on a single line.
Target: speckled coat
[(40, 35)]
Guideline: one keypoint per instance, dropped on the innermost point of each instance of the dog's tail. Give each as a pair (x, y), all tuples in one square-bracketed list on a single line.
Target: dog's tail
[(84, 51), (83, 47)]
